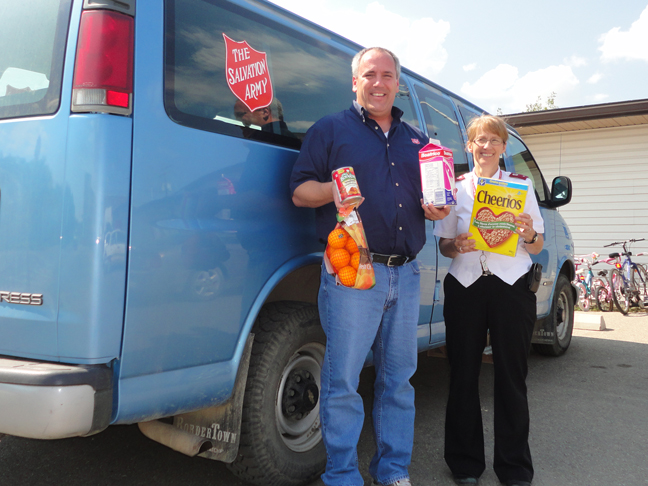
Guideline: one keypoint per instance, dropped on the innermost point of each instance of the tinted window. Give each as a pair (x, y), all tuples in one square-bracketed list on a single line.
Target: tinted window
[(443, 126), (32, 36), (205, 87), (523, 163)]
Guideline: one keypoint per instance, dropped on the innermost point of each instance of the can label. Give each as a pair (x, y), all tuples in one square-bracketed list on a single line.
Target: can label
[(346, 185)]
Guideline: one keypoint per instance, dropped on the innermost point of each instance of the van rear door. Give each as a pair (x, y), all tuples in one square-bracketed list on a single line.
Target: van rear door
[(64, 184)]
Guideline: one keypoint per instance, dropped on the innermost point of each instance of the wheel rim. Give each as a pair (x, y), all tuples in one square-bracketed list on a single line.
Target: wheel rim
[(562, 316), (300, 427), (620, 294)]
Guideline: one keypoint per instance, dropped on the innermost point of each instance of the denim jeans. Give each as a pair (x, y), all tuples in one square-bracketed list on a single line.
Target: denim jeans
[(383, 320)]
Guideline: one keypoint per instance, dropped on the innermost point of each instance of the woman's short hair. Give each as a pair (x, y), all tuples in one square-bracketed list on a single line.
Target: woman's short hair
[(487, 123), (355, 64)]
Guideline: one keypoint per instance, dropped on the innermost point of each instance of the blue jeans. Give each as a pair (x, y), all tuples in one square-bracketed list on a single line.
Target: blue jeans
[(383, 320)]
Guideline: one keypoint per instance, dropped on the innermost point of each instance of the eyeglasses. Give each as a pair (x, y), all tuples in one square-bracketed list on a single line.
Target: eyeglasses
[(495, 142)]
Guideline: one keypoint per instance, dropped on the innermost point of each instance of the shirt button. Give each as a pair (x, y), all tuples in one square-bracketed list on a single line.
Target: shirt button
[(401, 228), (397, 184), (393, 163), (376, 128), (400, 205)]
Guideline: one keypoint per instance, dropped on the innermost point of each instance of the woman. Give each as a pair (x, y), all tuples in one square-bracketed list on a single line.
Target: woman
[(487, 292)]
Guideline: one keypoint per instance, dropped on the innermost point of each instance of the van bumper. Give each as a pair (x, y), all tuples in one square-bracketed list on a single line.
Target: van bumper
[(41, 400)]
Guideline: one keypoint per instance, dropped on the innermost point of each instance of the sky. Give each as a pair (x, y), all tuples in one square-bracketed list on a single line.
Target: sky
[(503, 55)]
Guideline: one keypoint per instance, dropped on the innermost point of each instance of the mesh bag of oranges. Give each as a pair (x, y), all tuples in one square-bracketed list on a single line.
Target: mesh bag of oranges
[(347, 254)]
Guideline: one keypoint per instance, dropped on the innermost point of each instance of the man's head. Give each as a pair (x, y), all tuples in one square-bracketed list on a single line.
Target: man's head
[(375, 80), (259, 117)]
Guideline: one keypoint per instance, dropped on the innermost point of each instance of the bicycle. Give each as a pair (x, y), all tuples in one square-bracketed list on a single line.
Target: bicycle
[(585, 282), (629, 280), (604, 296)]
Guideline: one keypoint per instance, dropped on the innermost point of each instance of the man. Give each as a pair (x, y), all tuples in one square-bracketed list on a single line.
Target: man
[(270, 119), (383, 151)]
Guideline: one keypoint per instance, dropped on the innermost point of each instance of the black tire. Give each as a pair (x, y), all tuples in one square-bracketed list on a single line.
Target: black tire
[(640, 284), (281, 440), (604, 299), (561, 319), (620, 292)]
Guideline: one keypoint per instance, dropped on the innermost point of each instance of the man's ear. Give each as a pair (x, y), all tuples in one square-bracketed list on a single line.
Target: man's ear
[(355, 85)]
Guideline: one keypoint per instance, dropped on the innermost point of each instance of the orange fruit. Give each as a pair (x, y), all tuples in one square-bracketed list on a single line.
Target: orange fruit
[(339, 258), (351, 246), (347, 276), (338, 238), (355, 260)]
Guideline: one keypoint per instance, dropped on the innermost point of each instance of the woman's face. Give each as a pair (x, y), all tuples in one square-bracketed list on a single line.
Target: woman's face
[(486, 149)]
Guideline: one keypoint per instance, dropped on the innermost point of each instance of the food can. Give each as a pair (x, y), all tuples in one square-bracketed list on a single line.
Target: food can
[(347, 185)]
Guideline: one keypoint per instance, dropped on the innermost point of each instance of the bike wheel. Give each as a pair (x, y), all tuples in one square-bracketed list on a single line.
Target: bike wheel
[(620, 292), (597, 283), (583, 299), (604, 299), (640, 284)]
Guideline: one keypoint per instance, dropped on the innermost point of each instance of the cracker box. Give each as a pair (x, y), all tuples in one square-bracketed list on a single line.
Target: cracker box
[(496, 207), (437, 175)]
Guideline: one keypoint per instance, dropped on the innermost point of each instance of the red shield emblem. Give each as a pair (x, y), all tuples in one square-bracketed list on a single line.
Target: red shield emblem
[(247, 74)]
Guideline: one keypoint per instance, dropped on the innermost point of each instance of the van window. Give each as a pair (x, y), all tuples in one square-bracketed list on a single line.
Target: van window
[(32, 36), (231, 71), (524, 163), (443, 126)]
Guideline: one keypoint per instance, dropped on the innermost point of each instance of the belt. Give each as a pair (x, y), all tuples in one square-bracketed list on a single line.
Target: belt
[(391, 260)]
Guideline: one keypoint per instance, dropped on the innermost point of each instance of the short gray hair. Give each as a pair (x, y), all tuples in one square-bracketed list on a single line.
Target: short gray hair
[(358, 57)]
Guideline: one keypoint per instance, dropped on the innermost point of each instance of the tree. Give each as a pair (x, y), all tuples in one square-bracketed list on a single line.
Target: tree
[(538, 106)]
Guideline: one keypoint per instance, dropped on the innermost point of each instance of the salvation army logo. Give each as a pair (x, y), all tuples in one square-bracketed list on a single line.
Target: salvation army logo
[(247, 74)]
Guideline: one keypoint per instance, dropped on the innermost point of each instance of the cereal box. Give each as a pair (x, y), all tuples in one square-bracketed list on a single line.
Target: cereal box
[(496, 207), (437, 175)]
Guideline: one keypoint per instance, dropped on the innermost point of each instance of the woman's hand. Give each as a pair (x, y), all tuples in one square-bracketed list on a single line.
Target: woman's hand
[(524, 228), (451, 247)]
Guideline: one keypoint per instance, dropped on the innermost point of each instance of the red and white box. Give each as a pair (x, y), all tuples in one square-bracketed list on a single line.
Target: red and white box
[(437, 175)]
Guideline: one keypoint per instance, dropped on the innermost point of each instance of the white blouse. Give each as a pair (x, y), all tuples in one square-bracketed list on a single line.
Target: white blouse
[(466, 267)]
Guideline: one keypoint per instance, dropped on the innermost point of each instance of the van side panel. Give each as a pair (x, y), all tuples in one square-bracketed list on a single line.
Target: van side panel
[(93, 238)]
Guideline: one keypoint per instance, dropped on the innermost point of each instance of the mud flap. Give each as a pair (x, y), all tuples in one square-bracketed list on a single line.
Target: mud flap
[(213, 433)]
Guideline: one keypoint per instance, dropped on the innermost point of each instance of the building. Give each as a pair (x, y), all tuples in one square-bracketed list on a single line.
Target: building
[(604, 150)]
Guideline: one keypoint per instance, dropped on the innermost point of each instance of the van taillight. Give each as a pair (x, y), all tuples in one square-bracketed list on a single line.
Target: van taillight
[(103, 72)]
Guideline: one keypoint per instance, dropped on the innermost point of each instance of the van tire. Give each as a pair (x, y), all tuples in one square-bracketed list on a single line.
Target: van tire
[(278, 448), (561, 319)]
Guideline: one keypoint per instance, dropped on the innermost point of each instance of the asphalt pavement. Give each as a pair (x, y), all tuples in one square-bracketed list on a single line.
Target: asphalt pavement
[(589, 426)]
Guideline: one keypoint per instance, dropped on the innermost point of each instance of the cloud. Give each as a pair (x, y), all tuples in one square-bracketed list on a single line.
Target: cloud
[(626, 45), (575, 62), (600, 97), (503, 87), (470, 67), (421, 50), (595, 78)]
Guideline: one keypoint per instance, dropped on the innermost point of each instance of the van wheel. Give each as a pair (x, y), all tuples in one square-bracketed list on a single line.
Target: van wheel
[(281, 438), (561, 318)]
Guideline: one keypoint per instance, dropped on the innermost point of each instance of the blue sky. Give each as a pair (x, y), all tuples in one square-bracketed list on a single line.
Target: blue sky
[(504, 54)]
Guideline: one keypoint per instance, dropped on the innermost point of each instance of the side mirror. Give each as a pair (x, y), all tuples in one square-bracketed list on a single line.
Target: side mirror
[(561, 191)]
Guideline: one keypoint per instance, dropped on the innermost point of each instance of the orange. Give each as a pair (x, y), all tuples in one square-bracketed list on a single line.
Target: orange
[(355, 260), (351, 246), (339, 258), (338, 238), (347, 276)]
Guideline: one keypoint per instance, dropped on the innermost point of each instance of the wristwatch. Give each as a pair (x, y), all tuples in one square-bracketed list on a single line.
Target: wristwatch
[(533, 240)]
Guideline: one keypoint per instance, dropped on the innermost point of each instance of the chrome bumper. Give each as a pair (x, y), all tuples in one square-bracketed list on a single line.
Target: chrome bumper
[(43, 400)]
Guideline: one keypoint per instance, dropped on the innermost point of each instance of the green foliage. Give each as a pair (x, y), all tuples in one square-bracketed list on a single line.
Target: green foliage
[(538, 106)]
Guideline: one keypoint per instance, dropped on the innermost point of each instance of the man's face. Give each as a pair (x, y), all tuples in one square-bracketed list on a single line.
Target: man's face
[(376, 85), (247, 117)]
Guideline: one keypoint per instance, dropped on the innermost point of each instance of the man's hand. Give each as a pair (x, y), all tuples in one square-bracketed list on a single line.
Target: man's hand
[(433, 213)]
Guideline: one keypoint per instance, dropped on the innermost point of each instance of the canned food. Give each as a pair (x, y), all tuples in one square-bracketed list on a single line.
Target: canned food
[(346, 185)]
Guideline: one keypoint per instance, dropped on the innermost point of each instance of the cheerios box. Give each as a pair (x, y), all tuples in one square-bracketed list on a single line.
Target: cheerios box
[(496, 207), (437, 175)]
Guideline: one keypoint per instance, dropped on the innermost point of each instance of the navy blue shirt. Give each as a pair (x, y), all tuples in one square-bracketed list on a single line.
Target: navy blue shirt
[(387, 170)]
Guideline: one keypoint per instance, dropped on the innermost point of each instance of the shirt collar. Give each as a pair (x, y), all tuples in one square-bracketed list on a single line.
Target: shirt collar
[(360, 110)]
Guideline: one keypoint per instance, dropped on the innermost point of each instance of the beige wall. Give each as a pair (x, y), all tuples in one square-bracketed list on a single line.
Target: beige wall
[(609, 171)]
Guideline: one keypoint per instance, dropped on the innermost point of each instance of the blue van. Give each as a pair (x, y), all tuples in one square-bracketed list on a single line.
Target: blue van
[(153, 269)]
